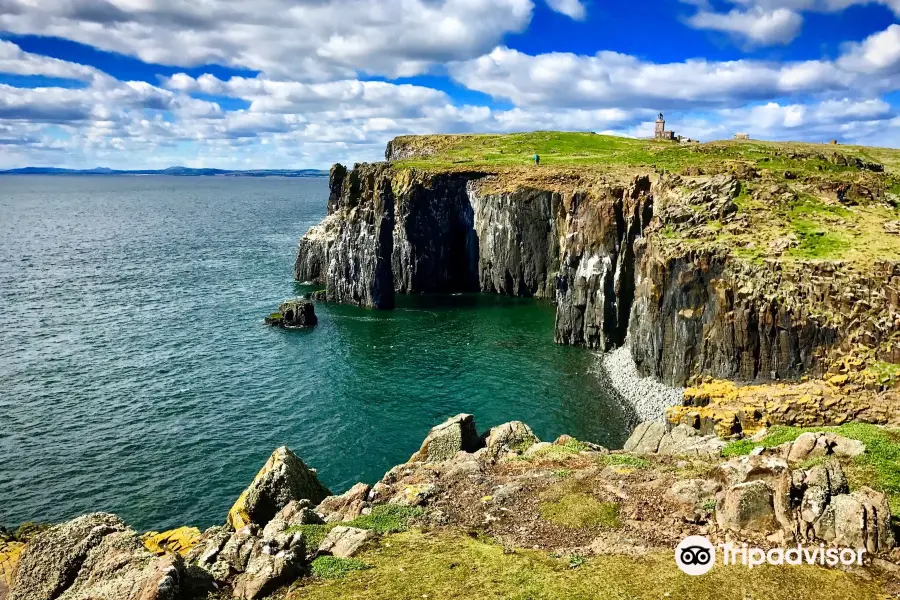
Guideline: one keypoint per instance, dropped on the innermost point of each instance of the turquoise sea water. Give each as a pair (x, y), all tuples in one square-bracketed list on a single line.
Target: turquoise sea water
[(137, 377)]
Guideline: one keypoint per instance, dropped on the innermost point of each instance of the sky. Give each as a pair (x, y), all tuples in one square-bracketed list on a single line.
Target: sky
[(306, 83)]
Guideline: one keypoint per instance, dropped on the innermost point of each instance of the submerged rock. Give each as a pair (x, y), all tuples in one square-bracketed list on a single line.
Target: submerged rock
[(283, 478), (294, 313)]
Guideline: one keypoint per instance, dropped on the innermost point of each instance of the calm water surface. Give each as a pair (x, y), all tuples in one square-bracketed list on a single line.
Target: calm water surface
[(136, 375)]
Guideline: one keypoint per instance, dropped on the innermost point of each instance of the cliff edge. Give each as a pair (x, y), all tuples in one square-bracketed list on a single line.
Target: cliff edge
[(745, 261)]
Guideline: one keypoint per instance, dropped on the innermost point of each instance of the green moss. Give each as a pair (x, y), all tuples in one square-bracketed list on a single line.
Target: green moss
[(448, 566), (387, 518), (624, 460), (313, 535), (332, 567), (878, 468), (562, 473), (578, 511)]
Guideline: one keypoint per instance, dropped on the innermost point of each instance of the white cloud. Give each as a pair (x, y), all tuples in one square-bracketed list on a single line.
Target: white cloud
[(571, 8), (756, 25), (16, 61), (768, 22), (610, 79), (306, 40)]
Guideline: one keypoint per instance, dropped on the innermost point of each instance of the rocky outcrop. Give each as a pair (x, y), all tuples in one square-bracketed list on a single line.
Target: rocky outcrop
[(598, 247), (95, 557), (347, 506), (284, 477), (651, 437), (296, 313), (344, 542), (456, 434)]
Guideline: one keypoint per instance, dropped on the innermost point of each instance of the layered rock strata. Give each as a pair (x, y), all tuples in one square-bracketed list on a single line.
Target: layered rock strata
[(600, 250)]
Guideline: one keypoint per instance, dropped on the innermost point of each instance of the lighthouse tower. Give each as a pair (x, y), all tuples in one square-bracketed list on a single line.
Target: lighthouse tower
[(660, 133)]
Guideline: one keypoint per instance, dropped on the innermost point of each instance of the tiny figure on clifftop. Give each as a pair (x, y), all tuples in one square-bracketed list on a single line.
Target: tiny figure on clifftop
[(537, 160)]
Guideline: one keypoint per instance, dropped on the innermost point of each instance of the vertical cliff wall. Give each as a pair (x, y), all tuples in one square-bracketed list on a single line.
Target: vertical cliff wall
[(601, 253)]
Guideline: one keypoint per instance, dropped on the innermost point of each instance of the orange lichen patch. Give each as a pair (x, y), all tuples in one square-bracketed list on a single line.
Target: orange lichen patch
[(9, 560), (179, 541), (717, 404)]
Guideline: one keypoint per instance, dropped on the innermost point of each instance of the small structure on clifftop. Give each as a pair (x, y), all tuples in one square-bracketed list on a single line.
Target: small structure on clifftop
[(742, 136), (661, 133), (294, 313)]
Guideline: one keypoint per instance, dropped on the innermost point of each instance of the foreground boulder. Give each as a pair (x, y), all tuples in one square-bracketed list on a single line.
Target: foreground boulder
[(283, 478), (445, 440), (347, 506), (653, 437), (294, 313), (95, 557), (514, 435), (344, 542)]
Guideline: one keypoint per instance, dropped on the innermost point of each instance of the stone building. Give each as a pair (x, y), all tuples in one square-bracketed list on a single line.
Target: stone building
[(661, 133), (742, 136)]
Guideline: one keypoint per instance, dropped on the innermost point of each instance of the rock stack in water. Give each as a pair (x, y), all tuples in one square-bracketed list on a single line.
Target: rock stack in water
[(294, 313)]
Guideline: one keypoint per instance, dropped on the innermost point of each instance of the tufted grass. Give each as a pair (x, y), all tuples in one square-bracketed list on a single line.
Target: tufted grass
[(581, 511), (332, 567), (448, 566), (878, 468), (387, 518)]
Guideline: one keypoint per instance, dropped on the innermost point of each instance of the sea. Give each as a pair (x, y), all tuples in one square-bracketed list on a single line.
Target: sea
[(137, 376)]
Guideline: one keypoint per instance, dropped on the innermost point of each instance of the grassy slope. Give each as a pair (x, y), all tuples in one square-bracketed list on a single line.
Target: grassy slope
[(415, 565), (878, 468), (789, 198)]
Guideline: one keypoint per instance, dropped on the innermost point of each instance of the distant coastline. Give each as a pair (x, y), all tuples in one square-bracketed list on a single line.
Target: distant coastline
[(173, 171)]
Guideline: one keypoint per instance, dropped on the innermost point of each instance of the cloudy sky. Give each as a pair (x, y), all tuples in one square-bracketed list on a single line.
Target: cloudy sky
[(304, 83)]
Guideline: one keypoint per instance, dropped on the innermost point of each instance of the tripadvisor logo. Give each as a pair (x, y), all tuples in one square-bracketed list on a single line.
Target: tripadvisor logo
[(696, 555)]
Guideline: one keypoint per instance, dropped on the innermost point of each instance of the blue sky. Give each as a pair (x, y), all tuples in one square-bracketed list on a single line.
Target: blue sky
[(304, 83)]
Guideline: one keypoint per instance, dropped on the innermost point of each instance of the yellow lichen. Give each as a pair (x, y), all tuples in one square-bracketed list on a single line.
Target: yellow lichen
[(237, 516), (179, 541), (10, 552)]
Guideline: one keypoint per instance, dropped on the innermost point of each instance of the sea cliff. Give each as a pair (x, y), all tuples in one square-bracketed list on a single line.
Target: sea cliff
[(705, 272)]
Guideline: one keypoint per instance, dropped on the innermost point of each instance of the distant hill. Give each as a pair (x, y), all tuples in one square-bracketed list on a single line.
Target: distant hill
[(173, 171)]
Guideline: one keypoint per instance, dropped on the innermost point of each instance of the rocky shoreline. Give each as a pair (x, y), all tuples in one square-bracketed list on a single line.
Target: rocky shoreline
[(566, 497), (645, 398)]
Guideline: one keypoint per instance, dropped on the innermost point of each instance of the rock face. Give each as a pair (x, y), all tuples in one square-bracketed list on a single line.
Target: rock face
[(345, 542), (445, 440), (283, 478), (95, 557), (651, 437), (347, 506), (294, 313), (596, 249)]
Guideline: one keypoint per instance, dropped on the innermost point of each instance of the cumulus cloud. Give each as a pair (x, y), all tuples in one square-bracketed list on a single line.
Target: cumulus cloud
[(306, 40), (610, 79), (16, 61), (571, 8), (756, 25), (768, 22)]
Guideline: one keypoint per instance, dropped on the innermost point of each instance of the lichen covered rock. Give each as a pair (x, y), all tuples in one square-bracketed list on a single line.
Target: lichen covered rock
[(95, 557), (445, 440), (283, 478)]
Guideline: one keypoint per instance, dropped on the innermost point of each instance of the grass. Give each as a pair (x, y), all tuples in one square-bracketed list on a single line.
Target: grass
[(332, 567), (387, 518), (624, 460), (313, 535), (878, 468), (581, 511), (447, 566)]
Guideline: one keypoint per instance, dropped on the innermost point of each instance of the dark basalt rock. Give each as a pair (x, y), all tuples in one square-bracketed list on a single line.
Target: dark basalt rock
[(600, 254), (294, 313)]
